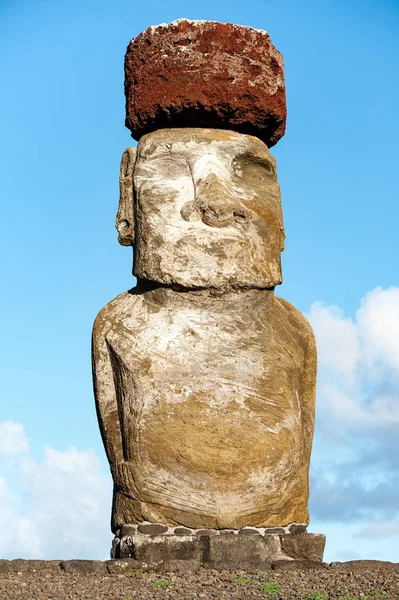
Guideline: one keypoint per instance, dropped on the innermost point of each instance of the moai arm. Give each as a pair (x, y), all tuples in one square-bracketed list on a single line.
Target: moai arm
[(103, 372), (309, 394), (105, 394), (307, 390)]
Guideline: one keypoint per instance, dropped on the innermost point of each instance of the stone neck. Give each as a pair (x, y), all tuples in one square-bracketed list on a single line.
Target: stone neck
[(226, 298)]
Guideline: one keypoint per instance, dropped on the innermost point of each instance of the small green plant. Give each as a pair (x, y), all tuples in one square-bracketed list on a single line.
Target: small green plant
[(162, 583), (298, 589), (241, 579), (316, 596), (271, 589), (136, 574)]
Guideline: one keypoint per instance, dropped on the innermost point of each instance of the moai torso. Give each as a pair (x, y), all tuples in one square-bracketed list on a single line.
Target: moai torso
[(204, 380), (214, 403)]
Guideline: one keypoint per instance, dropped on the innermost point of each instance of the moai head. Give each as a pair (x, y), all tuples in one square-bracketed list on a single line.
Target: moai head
[(202, 208)]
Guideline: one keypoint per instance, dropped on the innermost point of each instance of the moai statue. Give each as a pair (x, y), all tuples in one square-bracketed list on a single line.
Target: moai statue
[(205, 380)]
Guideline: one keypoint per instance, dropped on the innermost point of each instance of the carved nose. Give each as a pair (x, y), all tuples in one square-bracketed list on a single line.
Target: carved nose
[(221, 212), (215, 205), (216, 212)]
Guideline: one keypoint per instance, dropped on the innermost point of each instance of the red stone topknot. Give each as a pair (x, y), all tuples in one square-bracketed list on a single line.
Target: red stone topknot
[(205, 74)]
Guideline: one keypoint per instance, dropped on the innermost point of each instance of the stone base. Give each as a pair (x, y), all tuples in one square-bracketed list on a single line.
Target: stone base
[(247, 548)]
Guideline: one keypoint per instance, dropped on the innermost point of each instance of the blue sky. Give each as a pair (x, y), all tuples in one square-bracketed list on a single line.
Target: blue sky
[(62, 107)]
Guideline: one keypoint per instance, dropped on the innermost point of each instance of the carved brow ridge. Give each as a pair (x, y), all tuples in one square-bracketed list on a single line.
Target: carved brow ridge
[(169, 147), (255, 157)]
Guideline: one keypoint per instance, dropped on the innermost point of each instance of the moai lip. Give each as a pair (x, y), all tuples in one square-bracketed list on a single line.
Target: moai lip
[(205, 74)]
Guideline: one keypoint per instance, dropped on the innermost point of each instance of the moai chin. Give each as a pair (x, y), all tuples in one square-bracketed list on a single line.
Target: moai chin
[(204, 380)]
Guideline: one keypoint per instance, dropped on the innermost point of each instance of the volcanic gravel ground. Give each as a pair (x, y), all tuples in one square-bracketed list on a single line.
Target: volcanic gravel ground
[(330, 583)]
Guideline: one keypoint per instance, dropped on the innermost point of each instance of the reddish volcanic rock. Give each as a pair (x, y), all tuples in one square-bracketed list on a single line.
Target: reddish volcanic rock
[(205, 74)]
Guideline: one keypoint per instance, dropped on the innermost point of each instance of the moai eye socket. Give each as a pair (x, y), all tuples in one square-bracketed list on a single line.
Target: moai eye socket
[(236, 167), (162, 167), (255, 166)]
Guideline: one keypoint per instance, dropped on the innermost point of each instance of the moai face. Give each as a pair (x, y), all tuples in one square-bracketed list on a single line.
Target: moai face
[(206, 209)]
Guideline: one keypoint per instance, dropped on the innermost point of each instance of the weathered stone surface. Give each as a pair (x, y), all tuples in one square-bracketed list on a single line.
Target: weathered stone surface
[(229, 77), (180, 566), (245, 552), (150, 529), (249, 531), (182, 531), (84, 566), (304, 546), (220, 551), (123, 565), (364, 565), (115, 547), (204, 380), (21, 565), (157, 549), (274, 531), (297, 565), (295, 528), (127, 530), (125, 549)]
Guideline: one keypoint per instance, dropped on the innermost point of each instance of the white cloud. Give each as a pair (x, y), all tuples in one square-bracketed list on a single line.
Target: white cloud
[(380, 530), (378, 323), (338, 342), (12, 438), (6, 513), (62, 509), (355, 472), (358, 376)]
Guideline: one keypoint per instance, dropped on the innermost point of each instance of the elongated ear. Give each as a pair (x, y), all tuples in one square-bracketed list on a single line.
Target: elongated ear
[(282, 238), (125, 215)]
